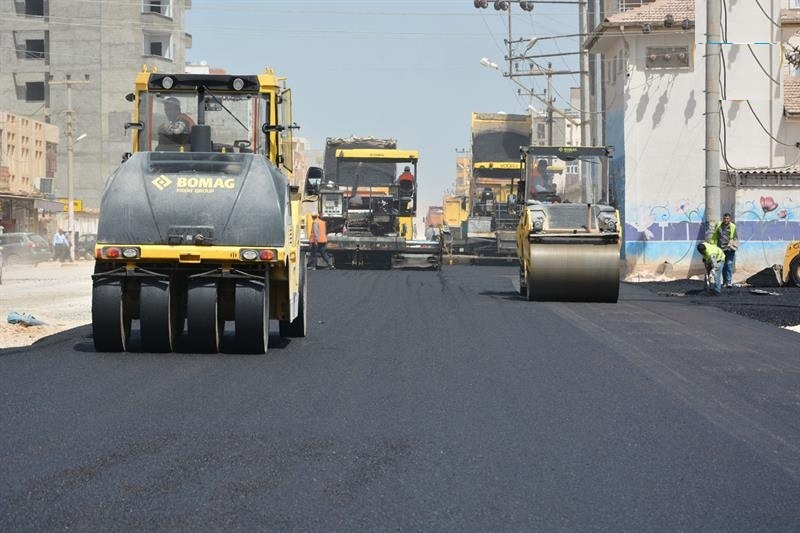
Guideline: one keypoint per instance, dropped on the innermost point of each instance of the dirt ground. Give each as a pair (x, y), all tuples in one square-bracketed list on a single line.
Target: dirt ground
[(58, 294)]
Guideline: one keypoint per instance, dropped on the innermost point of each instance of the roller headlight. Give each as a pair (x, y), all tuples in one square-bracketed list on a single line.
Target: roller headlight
[(537, 225), (238, 84), (167, 82), (607, 222), (130, 253), (249, 255)]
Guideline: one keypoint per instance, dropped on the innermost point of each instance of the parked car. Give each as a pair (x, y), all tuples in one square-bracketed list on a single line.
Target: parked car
[(85, 246), (24, 248)]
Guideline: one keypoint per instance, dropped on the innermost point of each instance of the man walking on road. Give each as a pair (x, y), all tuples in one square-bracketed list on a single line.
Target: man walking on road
[(318, 237), (60, 246)]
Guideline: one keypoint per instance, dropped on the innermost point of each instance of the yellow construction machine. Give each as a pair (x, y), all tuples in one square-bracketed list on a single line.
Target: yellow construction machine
[(568, 245), (199, 226), (370, 216), (790, 272)]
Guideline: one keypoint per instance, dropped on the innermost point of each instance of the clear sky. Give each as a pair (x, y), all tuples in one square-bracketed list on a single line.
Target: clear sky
[(407, 69)]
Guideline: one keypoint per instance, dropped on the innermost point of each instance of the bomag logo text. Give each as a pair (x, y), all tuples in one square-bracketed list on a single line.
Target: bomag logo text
[(203, 185)]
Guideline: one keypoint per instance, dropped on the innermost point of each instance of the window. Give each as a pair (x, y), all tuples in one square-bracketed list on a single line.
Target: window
[(161, 7), (34, 91), (34, 8), (794, 4), (34, 49), (158, 45), (540, 130)]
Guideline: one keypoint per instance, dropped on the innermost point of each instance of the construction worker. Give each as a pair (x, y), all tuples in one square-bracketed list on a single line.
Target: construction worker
[(405, 182), (174, 134), (725, 237), (713, 259), (318, 238)]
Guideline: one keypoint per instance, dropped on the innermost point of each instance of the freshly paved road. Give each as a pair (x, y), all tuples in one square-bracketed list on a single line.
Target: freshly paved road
[(420, 401)]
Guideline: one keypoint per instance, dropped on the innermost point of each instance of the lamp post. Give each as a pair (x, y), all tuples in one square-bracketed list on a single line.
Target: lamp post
[(71, 191)]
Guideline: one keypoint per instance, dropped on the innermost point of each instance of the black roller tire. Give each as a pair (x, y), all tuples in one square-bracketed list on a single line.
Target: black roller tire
[(111, 316), (794, 271), (157, 316), (203, 319), (251, 313)]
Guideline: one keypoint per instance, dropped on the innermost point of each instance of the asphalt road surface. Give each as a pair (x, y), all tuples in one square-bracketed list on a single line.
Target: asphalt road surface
[(419, 401)]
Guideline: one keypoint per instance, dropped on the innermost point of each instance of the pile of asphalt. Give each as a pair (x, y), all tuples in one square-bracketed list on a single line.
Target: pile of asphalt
[(775, 305)]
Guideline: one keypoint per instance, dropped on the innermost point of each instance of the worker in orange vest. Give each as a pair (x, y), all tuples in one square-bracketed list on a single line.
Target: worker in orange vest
[(405, 181), (318, 238)]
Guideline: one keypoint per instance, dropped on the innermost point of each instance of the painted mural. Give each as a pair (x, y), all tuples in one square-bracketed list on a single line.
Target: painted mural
[(766, 220)]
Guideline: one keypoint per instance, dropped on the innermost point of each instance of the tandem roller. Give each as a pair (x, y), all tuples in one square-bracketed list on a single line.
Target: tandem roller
[(568, 245)]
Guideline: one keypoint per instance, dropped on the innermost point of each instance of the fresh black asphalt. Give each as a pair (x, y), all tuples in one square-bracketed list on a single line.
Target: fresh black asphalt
[(424, 401)]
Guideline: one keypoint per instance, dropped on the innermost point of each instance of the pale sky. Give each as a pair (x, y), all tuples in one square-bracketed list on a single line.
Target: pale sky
[(407, 69)]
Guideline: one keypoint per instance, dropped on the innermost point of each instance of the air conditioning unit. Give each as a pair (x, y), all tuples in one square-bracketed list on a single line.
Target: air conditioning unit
[(45, 185)]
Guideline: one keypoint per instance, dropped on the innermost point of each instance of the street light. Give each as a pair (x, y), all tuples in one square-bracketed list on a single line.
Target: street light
[(71, 195), (535, 40), (488, 63)]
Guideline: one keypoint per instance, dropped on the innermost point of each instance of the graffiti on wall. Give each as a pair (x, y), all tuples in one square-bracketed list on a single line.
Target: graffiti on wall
[(766, 221)]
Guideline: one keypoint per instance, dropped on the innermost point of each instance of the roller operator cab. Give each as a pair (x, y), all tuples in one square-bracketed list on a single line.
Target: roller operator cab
[(568, 235), (198, 239)]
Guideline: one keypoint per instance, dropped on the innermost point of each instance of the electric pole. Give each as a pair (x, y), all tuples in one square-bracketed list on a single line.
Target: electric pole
[(712, 63), (69, 132)]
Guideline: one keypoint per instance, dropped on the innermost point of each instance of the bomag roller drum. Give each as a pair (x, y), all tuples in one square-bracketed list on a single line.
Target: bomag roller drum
[(200, 250), (569, 252)]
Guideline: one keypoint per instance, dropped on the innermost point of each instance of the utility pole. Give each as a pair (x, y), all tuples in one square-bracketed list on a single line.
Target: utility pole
[(583, 22), (70, 121), (712, 63), (550, 102)]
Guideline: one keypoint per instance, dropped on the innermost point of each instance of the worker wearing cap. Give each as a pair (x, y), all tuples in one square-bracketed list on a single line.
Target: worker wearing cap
[(318, 238), (713, 259), (174, 134)]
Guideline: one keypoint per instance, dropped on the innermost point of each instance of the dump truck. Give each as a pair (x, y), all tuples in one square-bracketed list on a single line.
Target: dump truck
[(491, 225), (199, 226), (369, 214), (568, 235)]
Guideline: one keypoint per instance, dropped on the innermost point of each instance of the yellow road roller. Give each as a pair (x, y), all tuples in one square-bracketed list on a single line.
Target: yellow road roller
[(200, 226), (568, 235)]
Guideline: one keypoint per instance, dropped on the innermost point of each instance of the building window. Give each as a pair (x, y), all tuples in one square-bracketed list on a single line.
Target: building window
[(162, 7), (34, 48), (540, 131), (794, 4), (158, 45), (34, 91), (34, 8)]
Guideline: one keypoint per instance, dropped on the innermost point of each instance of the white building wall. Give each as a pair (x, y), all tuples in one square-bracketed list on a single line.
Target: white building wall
[(655, 119)]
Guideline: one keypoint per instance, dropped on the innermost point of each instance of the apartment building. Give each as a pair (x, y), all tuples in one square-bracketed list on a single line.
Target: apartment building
[(27, 167), (74, 60)]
